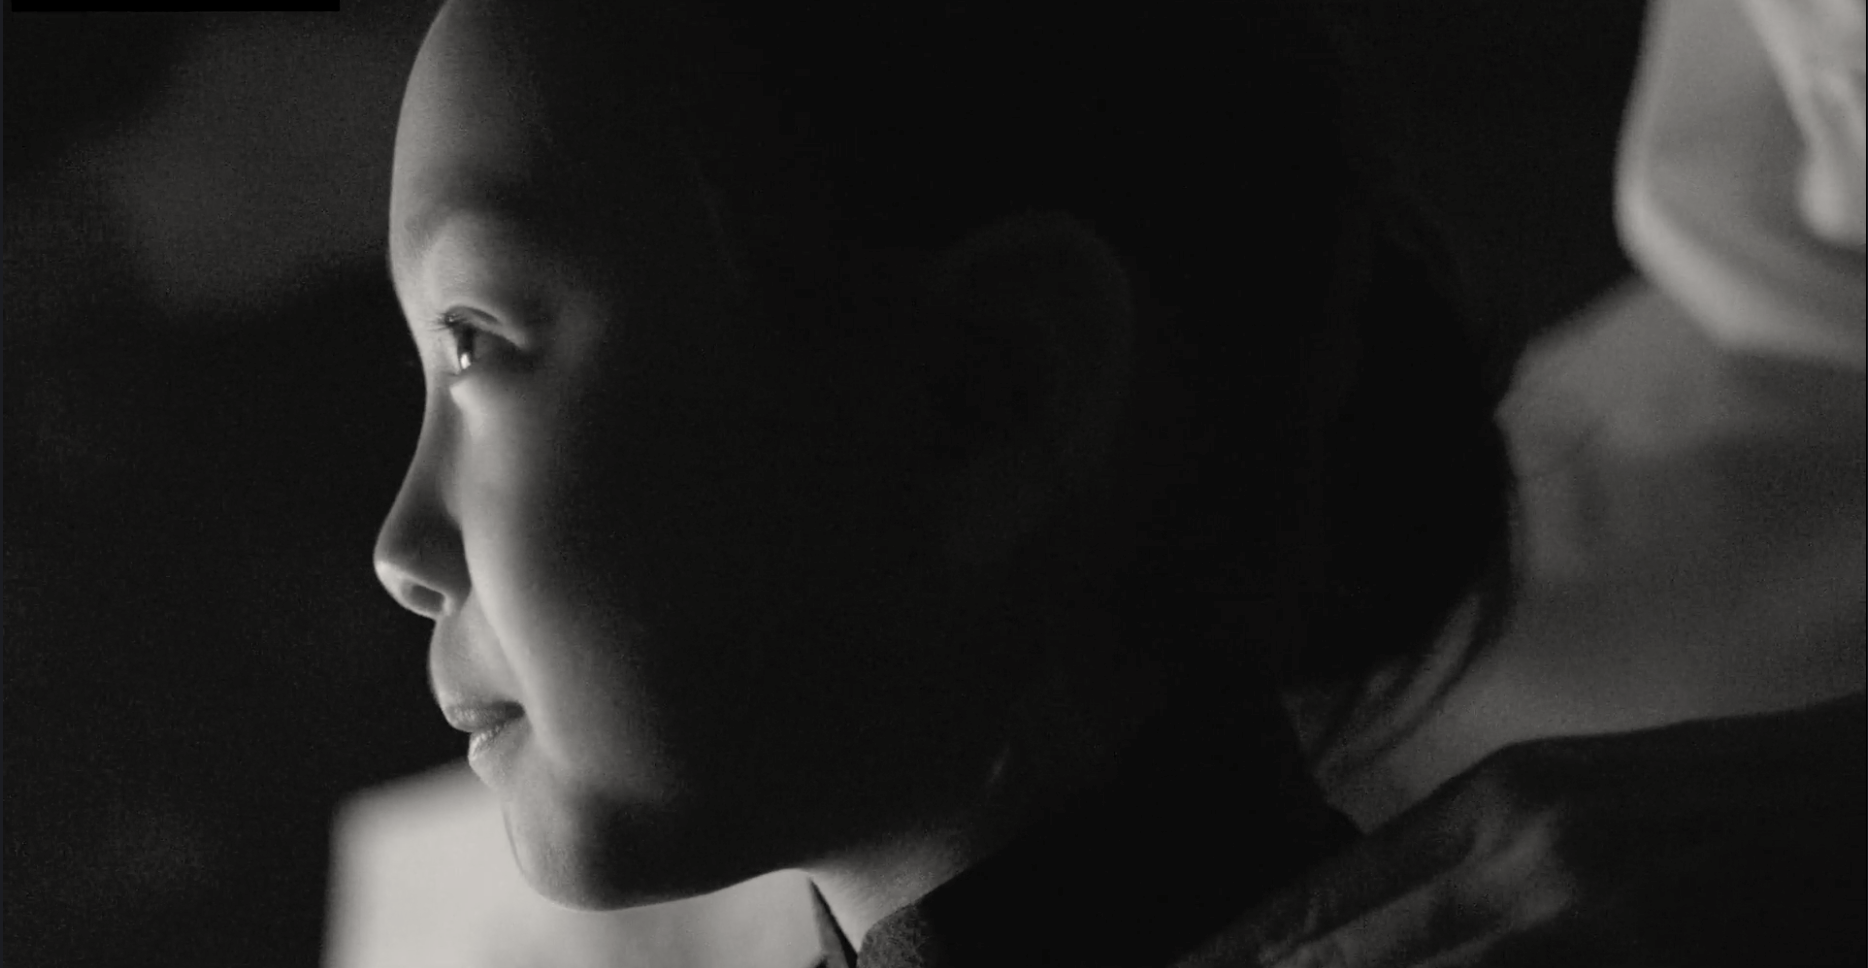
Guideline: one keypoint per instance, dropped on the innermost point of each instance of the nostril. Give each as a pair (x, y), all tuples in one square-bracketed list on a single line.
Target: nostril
[(418, 556), (421, 598)]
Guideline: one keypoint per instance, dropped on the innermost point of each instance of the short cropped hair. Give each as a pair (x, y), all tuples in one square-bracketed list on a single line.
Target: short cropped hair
[(1214, 147)]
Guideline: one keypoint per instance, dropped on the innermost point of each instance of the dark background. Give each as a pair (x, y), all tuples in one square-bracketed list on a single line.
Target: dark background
[(209, 399)]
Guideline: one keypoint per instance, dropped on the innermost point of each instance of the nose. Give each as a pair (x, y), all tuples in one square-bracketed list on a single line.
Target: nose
[(418, 553)]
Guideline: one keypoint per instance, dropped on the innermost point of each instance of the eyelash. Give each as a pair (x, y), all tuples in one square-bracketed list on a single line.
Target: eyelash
[(461, 332)]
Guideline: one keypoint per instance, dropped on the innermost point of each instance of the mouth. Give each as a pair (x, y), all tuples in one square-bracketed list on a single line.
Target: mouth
[(483, 722), (478, 717)]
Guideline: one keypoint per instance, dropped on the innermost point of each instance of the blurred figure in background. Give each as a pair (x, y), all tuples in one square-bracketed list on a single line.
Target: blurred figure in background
[(1691, 456)]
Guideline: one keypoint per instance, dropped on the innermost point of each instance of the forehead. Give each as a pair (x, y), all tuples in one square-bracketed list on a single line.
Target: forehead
[(533, 123), (469, 131)]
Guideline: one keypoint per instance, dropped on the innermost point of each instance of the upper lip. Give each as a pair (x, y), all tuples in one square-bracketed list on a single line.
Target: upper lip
[(475, 717), (460, 681)]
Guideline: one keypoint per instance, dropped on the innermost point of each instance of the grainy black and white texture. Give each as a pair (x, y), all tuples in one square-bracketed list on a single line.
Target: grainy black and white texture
[(206, 416)]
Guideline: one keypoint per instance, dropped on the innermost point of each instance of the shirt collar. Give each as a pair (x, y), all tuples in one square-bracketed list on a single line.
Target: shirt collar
[(1209, 814)]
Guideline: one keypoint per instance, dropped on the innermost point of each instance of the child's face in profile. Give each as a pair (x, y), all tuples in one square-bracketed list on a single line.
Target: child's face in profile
[(700, 610)]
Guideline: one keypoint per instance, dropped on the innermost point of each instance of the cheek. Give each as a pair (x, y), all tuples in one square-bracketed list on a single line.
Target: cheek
[(554, 557), (646, 575), (699, 596)]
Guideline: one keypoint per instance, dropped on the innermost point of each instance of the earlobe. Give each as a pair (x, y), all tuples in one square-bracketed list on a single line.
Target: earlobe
[(1035, 320)]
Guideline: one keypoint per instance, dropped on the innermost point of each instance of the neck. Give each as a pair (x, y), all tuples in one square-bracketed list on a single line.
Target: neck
[(864, 885), (1068, 731)]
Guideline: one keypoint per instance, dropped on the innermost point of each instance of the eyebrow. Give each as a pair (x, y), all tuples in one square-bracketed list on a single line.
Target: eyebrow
[(502, 205)]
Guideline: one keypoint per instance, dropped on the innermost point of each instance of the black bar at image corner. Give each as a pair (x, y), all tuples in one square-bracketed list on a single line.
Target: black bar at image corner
[(212, 6)]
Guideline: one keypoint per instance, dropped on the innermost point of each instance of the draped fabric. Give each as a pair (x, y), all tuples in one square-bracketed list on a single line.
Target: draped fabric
[(1739, 186)]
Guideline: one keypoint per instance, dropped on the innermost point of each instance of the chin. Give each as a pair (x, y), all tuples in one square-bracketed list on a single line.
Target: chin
[(593, 857)]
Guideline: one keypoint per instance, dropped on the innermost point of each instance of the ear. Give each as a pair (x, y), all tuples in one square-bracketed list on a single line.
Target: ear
[(1032, 323)]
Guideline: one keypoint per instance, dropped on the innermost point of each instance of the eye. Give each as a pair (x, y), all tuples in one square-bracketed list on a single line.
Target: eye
[(466, 336)]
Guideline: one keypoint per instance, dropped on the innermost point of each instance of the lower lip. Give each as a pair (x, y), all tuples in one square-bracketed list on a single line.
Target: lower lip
[(490, 750)]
